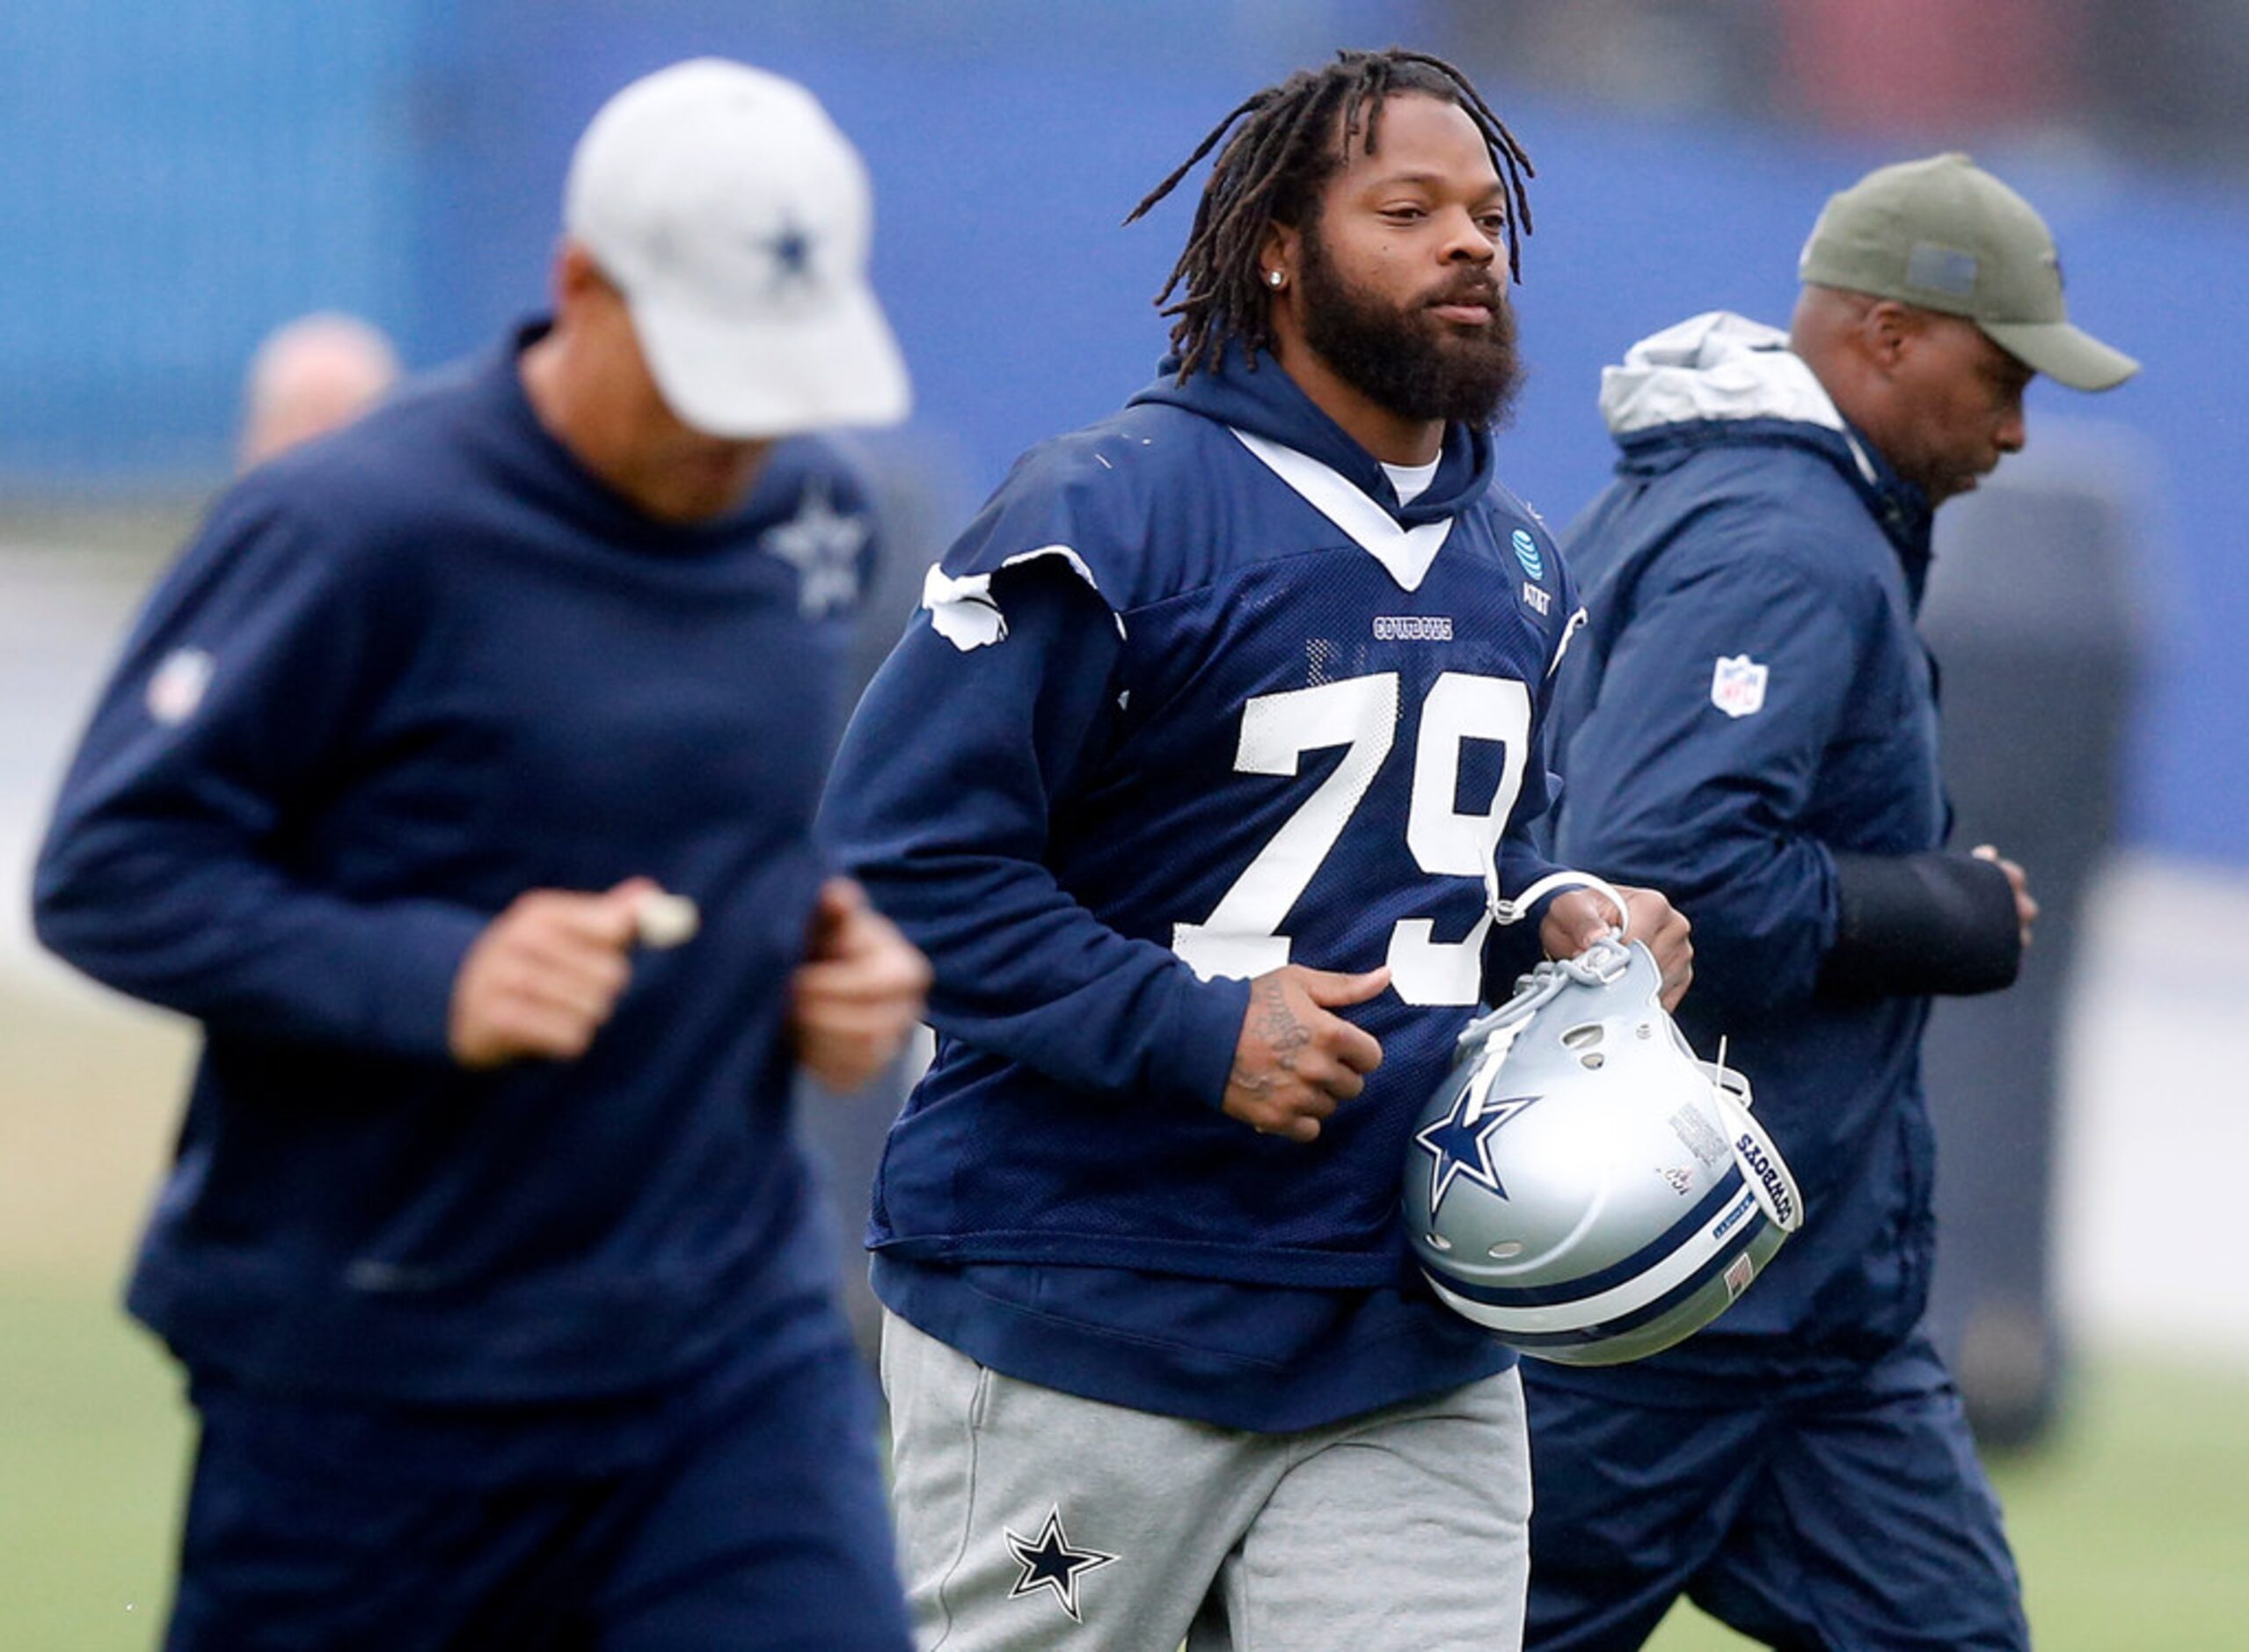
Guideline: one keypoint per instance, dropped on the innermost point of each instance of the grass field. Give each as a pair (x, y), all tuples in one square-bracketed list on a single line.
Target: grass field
[(2132, 1527), (92, 1454)]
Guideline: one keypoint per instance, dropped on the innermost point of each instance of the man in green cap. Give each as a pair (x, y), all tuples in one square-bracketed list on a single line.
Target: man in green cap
[(1750, 723)]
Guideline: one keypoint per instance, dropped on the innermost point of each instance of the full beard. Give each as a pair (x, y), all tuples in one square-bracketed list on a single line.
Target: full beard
[(1405, 359)]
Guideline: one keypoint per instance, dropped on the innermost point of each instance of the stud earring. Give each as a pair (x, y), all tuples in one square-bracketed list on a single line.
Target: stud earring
[(1274, 277)]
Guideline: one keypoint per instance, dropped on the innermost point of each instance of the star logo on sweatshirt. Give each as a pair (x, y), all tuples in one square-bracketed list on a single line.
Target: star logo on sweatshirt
[(1050, 1562), (823, 545)]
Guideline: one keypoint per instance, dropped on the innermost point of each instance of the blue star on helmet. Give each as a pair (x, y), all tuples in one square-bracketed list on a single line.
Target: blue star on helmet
[(1049, 1561), (823, 545), (1460, 1143)]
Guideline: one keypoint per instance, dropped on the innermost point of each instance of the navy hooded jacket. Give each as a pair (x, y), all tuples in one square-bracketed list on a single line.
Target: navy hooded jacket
[(1194, 697), (402, 676), (1750, 724)]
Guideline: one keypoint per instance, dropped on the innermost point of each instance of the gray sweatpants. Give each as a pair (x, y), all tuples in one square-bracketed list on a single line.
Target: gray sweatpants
[(1031, 1519)]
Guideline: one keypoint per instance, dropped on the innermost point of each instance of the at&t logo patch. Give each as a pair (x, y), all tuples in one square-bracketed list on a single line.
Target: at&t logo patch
[(1526, 551)]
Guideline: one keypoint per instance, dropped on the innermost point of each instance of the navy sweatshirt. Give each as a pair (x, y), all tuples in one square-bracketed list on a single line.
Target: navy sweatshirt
[(403, 676), (1193, 697)]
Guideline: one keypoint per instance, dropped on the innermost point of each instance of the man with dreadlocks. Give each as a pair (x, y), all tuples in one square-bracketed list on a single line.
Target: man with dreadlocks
[(1189, 778)]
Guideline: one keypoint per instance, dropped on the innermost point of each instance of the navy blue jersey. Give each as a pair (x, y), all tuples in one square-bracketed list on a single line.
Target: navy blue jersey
[(1192, 698), (402, 677)]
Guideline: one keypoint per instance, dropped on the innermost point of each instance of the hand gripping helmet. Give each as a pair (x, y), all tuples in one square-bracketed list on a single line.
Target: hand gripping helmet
[(1581, 1185)]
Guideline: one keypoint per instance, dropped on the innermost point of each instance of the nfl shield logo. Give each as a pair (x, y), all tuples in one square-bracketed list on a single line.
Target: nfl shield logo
[(1737, 687)]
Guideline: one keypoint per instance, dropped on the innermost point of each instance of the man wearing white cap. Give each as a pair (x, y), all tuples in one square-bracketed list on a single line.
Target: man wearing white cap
[(459, 781), (1749, 722)]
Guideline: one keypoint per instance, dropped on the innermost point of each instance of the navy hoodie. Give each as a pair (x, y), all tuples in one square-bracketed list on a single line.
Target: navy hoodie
[(1194, 697), (401, 676)]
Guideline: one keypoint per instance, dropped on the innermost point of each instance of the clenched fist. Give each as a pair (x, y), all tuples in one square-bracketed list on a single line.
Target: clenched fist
[(544, 975), (1296, 1062)]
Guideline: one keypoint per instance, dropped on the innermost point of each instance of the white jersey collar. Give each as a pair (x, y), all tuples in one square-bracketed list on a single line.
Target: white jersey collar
[(1406, 553)]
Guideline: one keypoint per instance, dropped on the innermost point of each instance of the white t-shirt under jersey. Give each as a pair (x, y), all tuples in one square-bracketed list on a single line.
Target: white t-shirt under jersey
[(1411, 480)]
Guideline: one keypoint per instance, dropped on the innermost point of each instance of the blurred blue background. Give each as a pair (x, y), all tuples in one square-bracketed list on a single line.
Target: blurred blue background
[(182, 177)]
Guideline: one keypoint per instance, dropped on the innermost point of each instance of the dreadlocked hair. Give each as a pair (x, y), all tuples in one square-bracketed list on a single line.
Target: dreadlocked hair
[(1271, 170)]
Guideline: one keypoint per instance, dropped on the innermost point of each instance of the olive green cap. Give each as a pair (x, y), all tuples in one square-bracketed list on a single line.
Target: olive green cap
[(1943, 234)]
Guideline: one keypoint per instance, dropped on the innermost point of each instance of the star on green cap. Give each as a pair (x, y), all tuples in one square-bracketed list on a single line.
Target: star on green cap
[(1943, 234)]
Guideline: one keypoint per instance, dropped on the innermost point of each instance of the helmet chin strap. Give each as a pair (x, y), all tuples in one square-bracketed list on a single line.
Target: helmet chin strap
[(1600, 963), (1513, 911), (1761, 1164), (1487, 1076)]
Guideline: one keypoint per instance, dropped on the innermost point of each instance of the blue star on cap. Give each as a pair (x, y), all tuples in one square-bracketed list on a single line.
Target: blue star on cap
[(1049, 1561), (791, 250), (1460, 1143)]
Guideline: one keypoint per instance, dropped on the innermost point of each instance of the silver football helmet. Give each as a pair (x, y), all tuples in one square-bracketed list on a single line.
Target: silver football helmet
[(1582, 1185)]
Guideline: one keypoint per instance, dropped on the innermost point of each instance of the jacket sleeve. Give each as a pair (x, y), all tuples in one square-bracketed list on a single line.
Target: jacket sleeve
[(165, 871), (939, 804), (1936, 921), (1668, 790)]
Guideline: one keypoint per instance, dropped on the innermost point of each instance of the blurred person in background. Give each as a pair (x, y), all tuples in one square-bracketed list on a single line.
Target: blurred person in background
[(1750, 720), (1188, 777), (459, 780), (309, 377)]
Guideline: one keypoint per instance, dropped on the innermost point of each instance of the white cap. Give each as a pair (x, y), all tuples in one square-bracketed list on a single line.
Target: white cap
[(734, 218)]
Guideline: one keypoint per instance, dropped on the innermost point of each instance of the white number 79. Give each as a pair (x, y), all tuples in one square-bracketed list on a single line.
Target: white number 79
[(1242, 936)]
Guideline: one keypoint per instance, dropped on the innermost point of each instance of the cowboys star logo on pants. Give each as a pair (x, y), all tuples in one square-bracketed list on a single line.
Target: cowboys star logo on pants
[(1050, 1562)]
